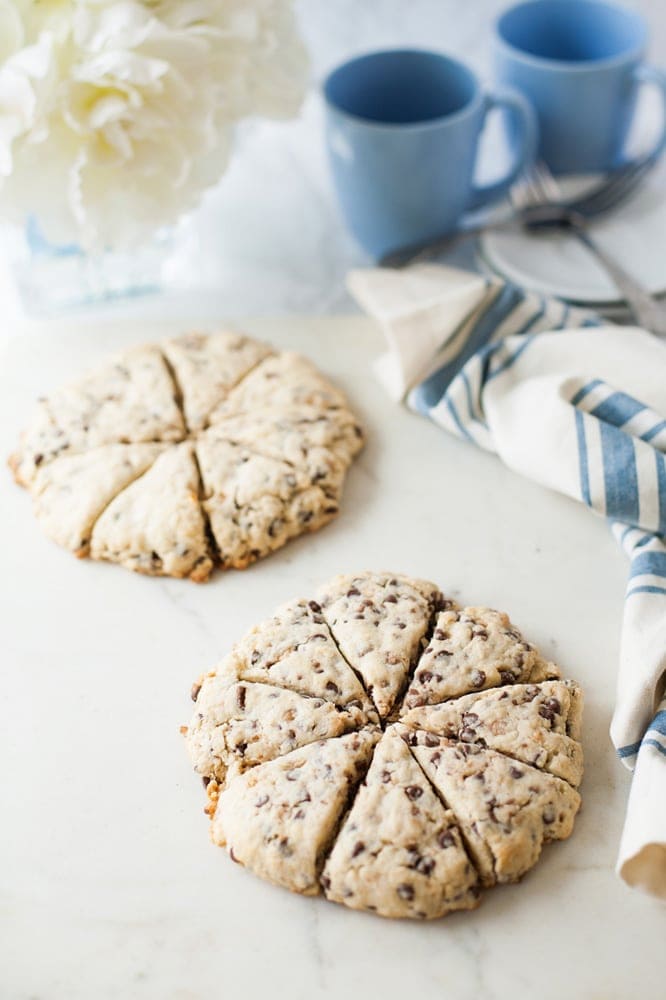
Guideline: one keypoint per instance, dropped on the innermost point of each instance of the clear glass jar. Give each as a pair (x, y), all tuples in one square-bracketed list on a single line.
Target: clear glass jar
[(52, 278)]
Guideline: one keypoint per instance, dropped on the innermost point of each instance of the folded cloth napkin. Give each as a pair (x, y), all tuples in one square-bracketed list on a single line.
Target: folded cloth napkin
[(580, 407)]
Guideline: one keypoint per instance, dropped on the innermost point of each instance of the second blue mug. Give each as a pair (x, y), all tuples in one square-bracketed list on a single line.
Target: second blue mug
[(403, 129), (581, 64)]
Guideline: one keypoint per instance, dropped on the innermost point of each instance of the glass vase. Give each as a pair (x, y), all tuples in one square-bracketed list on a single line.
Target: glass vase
[(53, 278)]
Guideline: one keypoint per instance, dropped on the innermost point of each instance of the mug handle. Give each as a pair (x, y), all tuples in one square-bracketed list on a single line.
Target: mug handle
[(651, 75), (521, 109)]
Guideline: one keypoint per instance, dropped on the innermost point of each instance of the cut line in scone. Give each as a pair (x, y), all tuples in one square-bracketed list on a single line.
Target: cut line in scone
[(208, 449), (342, 755)]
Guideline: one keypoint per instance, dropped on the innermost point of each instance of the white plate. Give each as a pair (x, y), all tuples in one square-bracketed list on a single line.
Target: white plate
[(557, 264)]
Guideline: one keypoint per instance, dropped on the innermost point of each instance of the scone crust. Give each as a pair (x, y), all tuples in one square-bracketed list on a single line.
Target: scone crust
[(332, 769), (270, 441)]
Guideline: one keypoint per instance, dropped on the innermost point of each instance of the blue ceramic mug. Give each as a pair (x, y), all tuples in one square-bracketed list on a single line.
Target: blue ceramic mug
[(403, 129), (581, 63)]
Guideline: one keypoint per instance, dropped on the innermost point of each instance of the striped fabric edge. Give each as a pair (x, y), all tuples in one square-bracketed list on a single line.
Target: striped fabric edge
[(629, 483), (654, 738), (506, 311)]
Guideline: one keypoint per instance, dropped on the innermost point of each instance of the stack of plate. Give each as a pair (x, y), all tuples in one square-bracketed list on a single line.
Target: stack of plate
[(553, 263)]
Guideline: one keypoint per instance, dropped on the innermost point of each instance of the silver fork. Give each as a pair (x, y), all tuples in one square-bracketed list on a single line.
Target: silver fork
[(538, 200), (602, 197)]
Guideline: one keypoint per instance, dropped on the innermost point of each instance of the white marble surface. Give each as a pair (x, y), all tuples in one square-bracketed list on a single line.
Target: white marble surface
[(109, 886)]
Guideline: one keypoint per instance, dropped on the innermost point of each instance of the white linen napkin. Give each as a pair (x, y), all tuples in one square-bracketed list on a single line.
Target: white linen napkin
[(580, 407)]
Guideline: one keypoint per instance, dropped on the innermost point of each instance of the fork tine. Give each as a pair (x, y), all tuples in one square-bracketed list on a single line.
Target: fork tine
[(549, 187), (529, 189), (616, 190), (613, 191)]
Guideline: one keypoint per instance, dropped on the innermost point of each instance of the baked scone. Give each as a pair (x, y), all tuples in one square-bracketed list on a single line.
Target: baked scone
[(538, 724), (259, 443), (379, 621), (399, 851), (207, 367), (130, 399), (72, 491), (471, 649), (156, 525), (280, 818), (506, 811), (331, 766)]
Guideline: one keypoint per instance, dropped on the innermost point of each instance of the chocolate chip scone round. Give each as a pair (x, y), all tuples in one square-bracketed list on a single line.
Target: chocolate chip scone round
[(384, 746), (202, 450)]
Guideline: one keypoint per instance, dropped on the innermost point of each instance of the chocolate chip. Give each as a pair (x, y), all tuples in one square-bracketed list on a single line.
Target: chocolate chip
[(441, 634), (406, 891), (241, 697), (549, 709), (549, 815), (285, 848), (386, 777), (468, 735), (256, 655), (194, 693), (424, 676), (413, 792), (506, 677), (515, 772), (261, 801), (313, 606), (478, 678), (446, 839), (359, 847), (390, 599), (418, 863), (330, 686), (430, 740), (325, 882), (39, 458), (233, 856), (353, 592)]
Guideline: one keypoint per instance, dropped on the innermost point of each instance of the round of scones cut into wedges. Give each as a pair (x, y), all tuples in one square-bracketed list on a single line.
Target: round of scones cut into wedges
[(208, 449), (383, 746)]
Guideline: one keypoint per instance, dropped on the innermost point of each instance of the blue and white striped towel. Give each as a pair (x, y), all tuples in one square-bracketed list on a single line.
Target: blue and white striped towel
[(482, 359)]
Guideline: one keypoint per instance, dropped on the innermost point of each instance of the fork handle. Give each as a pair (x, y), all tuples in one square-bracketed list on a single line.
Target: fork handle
[(647, 311)]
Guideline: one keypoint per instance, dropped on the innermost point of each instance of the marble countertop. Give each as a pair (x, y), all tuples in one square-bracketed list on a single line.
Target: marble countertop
[(109, 886)]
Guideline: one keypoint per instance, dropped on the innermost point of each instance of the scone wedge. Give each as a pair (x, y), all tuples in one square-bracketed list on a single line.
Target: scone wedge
[(280, 818), (399, 852)]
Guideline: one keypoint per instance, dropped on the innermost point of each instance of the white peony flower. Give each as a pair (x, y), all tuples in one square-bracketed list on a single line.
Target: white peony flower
[(116, 115)]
